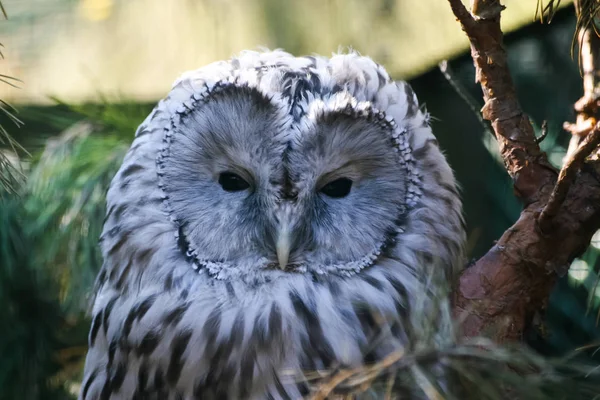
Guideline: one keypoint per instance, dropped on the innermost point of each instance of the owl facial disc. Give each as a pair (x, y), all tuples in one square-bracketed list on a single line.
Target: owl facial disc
[(293, 233)]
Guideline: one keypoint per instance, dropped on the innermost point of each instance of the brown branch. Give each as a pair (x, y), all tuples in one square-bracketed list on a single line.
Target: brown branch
[(519, 149), (580, 130), (589, 63), (504, 289), (544, 133), (567, 177)]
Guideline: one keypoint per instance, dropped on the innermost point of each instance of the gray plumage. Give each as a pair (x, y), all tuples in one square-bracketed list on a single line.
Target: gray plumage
[(274, 215)]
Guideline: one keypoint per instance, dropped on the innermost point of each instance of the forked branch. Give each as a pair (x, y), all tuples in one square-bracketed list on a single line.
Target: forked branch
[(567, 176), (520, 151), (504, 289)]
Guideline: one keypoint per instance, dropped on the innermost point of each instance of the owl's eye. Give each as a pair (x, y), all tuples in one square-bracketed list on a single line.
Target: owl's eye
[(338, 188), (231, 182)]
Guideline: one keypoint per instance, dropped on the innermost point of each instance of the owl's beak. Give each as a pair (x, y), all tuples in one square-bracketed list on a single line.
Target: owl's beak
[(283, 242), (283, 245)]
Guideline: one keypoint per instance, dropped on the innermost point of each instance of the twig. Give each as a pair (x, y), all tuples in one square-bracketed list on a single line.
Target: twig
[(589, 64), (588, 103), (462, 14), (567, 177), (326, 389), (462, 92), (541, 138), (578, 131), (366, 374), (389, 385)]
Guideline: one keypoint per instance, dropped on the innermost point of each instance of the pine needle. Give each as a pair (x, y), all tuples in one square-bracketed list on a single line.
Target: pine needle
[(546, 13)]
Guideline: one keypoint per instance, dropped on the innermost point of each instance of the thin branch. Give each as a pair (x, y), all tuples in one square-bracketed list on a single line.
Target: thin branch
[(567, 177), (362, 374), (586, 11), (541, 138), (589, 63), (462, 14), (464, 94), (577, 131)]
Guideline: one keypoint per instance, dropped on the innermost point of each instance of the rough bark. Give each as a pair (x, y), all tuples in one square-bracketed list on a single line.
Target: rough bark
[(499, 295)]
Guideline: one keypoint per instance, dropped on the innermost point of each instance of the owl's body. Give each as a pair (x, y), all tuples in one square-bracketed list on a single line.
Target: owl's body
[(274, 215)]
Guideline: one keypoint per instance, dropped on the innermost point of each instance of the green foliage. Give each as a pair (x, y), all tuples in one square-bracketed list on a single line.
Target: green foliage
[(66, 196), (49, 257), (111, 116), (34, 328), (10, 172)]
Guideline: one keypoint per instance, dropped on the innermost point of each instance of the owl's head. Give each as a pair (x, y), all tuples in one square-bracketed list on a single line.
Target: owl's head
[(270, 164)]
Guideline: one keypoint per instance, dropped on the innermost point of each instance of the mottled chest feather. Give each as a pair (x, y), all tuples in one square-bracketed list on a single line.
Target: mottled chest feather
[(275, 216)]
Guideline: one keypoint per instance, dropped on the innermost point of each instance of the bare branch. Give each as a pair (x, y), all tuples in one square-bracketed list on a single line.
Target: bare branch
[(523, 159), (589, 64), (464, 94), (462, 14), (578, 131), (567, 177), (541, 138)]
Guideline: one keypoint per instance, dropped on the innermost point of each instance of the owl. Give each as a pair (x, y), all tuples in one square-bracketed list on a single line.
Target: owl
[(274, 216)]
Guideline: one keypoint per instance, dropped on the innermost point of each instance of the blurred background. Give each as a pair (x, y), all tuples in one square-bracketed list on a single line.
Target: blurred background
[(89, 71)]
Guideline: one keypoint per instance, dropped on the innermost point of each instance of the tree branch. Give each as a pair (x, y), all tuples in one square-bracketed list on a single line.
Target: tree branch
[(502, 291), (522, 156), (567, 177), (589, 63)]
